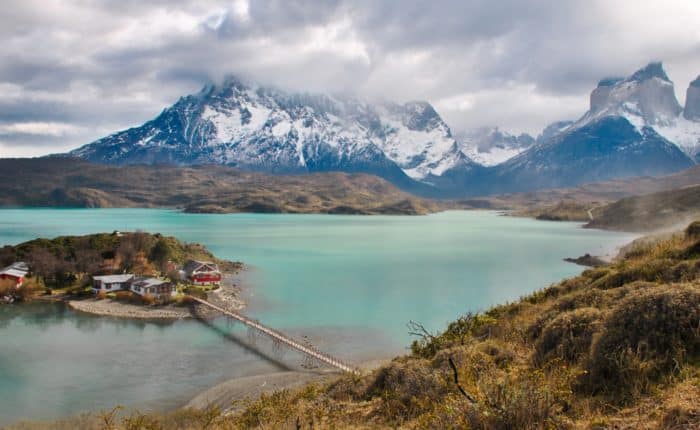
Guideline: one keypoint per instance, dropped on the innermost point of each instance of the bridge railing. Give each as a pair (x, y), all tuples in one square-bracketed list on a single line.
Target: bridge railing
[(308, 350)]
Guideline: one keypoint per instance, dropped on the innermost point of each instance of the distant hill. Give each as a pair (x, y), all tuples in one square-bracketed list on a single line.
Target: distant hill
[(68, 182), (586, 195), (662, 210)]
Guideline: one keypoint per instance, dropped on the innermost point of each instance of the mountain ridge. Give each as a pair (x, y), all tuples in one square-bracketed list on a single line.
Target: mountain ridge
[(634, 127)]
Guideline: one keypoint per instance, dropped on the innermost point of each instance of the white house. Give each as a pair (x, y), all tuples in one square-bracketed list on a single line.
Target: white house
[(109, 283), (157, 288)]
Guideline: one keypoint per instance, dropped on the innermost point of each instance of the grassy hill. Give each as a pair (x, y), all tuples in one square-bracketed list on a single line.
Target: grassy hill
[(617, 347), (574, 204), (650, 212), (66, 182)]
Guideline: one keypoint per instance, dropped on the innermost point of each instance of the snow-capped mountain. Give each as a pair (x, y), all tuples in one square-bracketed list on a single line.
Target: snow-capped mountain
[(267, 129), (490, 146), (647, 99), (634, 127)]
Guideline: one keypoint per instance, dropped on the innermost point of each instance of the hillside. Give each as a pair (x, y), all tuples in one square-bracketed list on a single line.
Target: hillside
[(650, 212), (66, 182), (616, 347), (574, 204)]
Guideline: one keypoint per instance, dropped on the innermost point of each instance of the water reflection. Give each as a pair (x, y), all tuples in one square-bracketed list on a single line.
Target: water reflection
[(248, 347)]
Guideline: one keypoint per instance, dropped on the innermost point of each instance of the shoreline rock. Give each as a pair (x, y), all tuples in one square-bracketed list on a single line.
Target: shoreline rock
[(587, 260)]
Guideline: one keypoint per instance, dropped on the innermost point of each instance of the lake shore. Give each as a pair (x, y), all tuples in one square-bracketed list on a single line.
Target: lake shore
[(226, 296), (232, 395)]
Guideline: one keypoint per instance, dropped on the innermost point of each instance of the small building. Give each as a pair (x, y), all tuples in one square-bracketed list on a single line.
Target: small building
[(108, 283), (202, 272), (15, 272), (158, 288)]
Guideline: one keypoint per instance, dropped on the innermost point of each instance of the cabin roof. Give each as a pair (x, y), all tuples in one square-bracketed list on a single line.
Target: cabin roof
[(149, 282), (194, 265), (114, 279), (13, 272), (18, 269)]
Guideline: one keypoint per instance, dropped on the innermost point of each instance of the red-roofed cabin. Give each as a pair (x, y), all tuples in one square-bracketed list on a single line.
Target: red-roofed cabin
[(15, 272), (202, 272)]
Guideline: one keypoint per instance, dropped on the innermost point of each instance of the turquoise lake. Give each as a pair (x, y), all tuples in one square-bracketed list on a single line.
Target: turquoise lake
[(350, 284)]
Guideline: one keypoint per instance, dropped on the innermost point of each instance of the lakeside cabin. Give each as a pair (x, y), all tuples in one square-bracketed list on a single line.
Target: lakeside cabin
[(202, 273), (110, 283), (15, 272), (158, 288), (155, 287)]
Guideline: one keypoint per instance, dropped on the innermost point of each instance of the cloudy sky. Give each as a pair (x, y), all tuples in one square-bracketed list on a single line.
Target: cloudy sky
[(75, 70)]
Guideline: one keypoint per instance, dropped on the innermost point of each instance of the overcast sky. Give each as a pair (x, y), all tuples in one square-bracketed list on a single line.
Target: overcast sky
[(75, 70)]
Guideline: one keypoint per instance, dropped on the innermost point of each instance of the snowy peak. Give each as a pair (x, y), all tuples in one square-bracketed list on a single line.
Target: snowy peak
[(553, 129), (268, 129), (647, 95), (420, 115), (650, 71), (692, 101), (490, 146)]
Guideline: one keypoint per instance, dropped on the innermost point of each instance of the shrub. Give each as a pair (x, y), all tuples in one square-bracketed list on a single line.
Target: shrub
[(648, 335), (195, 292), (406, 388), (502, 355), (148, 299), (124, 296), (101, 295), (568, 336), (681, 417), (457, 333), (693, 230)]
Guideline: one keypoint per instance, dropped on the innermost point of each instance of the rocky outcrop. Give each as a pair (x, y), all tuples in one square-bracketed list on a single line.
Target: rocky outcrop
[(692, 101)]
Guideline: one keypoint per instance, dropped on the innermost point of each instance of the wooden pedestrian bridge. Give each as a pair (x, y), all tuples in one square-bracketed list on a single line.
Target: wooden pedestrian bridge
[(281, 337)]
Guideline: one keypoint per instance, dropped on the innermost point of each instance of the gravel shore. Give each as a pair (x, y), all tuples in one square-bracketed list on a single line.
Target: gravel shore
[(227, 296), (112, 308)]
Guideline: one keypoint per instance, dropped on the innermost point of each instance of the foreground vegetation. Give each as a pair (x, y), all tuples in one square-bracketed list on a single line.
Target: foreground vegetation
[(616, 347)]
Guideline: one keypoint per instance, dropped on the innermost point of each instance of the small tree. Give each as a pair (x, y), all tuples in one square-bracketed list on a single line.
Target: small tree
[(161, 253)]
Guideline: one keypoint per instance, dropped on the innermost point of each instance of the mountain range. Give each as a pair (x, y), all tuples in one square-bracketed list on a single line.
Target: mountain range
[(634, 127)]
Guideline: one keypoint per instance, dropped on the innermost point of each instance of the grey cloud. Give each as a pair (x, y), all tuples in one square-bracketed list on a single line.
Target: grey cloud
[(519, 64)]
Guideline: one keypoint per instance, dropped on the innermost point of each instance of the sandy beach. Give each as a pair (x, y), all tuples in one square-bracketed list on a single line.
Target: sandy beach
[(231, 396)]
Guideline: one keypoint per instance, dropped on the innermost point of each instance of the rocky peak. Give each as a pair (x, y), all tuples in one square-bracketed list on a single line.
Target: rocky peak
[(692, 101), (420, 115), (647, 94), (651, 70), (600, 94)]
